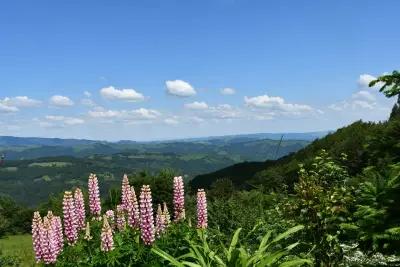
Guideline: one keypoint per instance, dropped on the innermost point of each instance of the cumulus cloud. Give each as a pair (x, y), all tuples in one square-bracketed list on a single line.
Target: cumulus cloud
[(228, 91), (180, 88), (87, 94), (7, 109), (60, 121), (197, 105), (366, 95), (365, 79), (61, 101), (126, 115), (171, 121), (129, 95), (276, 103), (21, 101), (88, 102)]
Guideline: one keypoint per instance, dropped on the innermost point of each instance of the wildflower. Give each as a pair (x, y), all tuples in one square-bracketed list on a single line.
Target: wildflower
[(121, 222), (179, 199), (111, 218), (107, 242), (70, 224), (58, 233), (36, 229), (167, 216), (125, 192), (94, 196), (80, 208), (48, 242), (160, 222), (133, 210), (201, 209), (87, 232), (146, 216)]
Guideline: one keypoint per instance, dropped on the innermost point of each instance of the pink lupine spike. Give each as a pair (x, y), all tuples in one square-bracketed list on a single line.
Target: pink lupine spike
[(70, 222), (48, 242), (121, 222), (57, 228), (133, 210), (36, 233), (201, 209), (146, 216), (125, 193), (80, 208), (179, 199), (94, 196), (107, 242), (167, 216), (160, 222)]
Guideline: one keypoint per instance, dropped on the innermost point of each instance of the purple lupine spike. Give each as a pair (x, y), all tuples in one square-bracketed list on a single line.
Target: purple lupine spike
[(121, 222), (48, 242), (125, 193), (179, 199), (80, 208), (58, 232), (201, 209), (36, 233), (146, 216), (94, 196), (70, 224), (167, 216), (160, 222), (133, 210), (107, 242)]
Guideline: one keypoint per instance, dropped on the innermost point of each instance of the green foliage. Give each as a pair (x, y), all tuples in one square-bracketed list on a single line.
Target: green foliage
[(268, 253), (391, 83), (321, 202), (14, 218)]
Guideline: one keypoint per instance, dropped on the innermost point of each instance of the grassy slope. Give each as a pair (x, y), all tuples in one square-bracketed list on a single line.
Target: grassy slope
[(20, 246)]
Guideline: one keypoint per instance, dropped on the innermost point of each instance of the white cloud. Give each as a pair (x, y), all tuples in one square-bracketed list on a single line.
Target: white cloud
[(276, 103), (21, 101), (62, 120), (87, 94), (366, 95), (88, 102), (180, 88), (365, 79), (197, 105), (7, 109), (61, 101), (129, 95), (171, 121), (126, 115), (228, 91)]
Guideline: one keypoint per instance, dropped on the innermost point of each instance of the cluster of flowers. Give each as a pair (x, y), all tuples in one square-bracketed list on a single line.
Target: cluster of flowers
[(47, 234)]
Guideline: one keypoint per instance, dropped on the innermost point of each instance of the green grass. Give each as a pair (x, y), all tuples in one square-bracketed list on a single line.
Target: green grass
[(54, 164), (19, 246)]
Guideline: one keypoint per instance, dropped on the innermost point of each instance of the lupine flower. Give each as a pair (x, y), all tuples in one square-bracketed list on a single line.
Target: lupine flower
[(125, 192), (111, 218), (94, 196), (58, 232), (107, 242), (201, 209), (167, 216), (133, 210), (48, 242), (36, 233), (179, 199), (160, 222), (121, 222), (146, 216), (80, 208), (87, 232), (70, 224)]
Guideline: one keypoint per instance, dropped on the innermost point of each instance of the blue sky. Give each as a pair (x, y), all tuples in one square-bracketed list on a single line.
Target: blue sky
[(145, 70)]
